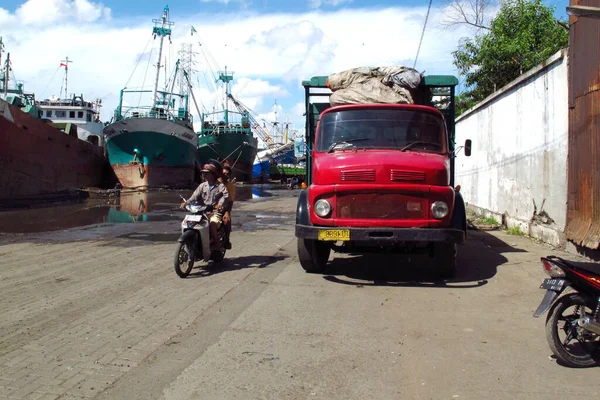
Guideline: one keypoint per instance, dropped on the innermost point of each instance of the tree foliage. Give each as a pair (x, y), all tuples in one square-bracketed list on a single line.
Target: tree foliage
[(522, 35)]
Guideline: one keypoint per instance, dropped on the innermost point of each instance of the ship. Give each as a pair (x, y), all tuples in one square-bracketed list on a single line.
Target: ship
[(153, 146), (38, 161), (227, 137), (279, 159), (74, 110)]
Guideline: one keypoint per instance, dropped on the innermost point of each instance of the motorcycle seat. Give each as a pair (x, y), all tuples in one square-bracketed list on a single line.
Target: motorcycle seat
[(592, 267)]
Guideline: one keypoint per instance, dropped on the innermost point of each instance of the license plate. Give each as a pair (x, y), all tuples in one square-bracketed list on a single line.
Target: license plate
[(553, 284), (196, 218), (334, 234)]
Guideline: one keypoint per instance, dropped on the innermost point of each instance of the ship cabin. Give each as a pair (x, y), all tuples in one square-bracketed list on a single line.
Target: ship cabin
[(77, 111)]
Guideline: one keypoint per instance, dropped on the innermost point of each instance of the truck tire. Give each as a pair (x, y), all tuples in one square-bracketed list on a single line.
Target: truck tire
[(445, 259), (313, 255)]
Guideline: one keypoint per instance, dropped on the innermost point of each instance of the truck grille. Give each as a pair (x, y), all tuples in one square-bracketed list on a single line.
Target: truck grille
[(381, 206), (407, 176), (361, 175)]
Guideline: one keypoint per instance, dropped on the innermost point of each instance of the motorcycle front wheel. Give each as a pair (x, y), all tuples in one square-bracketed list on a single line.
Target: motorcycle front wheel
[(571, 344), (184, 259)]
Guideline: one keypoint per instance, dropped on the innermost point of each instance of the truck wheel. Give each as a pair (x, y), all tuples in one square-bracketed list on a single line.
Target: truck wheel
[(445, 259), (313, 255)]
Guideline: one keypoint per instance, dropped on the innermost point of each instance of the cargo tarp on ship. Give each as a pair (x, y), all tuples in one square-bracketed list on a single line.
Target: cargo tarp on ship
[(365, 85)]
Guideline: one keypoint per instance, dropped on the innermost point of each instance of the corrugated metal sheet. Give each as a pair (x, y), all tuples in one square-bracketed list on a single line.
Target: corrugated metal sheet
[(583, 203)]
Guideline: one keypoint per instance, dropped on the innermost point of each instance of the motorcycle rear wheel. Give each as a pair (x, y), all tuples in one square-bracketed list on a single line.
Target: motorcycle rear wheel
[(571, 344), (183, 262)]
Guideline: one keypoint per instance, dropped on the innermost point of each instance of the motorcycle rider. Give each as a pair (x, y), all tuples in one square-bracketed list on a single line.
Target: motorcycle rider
[(214, 193), (230, 185)]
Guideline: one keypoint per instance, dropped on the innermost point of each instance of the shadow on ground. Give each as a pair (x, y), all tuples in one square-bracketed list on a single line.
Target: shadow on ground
[(235, 263), (477, 261)]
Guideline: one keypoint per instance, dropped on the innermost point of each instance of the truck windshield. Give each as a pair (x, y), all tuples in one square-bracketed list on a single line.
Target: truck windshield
[(408, 130)]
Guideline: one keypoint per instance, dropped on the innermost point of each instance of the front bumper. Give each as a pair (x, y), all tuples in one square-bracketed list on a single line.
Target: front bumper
[(388, 236)]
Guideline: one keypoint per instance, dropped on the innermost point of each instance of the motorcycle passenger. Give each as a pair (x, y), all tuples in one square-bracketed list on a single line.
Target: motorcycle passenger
[(230, 185), (214, 193)]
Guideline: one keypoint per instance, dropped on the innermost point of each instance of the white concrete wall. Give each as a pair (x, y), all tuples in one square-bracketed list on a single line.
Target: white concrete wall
[(519, 151)]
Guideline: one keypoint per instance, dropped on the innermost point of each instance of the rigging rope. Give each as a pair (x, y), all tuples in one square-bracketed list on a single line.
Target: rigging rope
[(138, 62), (49, 82), (145, 75), (422, 33)]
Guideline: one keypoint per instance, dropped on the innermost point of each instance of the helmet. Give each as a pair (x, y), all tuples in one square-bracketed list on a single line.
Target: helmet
[(211, 168)]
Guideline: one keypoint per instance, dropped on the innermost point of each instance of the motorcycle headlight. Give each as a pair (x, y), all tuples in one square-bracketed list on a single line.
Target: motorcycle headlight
[(195, 208), (439, 209), (322, 208)]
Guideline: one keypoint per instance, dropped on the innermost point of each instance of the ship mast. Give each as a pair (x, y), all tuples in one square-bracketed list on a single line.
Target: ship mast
[(65, 63), (226, 78), (162, 29), (6, 73), (1, 51)]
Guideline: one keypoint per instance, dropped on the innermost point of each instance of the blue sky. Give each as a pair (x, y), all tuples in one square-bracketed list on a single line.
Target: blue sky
[(271, 45), (183, 7), (132, 8)]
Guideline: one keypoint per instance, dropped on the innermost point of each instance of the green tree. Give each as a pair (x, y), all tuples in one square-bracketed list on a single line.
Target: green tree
[(522, 35)]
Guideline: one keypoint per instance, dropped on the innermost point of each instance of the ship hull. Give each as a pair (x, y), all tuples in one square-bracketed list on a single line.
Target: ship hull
[(37, 159), (237, 149), (151, 153)]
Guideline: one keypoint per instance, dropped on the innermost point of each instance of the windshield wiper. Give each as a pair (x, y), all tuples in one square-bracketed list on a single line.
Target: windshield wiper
[(335, 144), (410, 145)]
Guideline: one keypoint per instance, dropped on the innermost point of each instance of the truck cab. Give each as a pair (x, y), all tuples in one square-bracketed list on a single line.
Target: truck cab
[(381, 177)]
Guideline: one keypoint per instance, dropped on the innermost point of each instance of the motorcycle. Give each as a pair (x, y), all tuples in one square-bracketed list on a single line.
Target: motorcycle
[(194, 242), (573, 323)]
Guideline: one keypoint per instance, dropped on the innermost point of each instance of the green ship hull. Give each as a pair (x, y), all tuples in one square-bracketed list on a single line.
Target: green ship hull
[(151, 153), (238, 149)]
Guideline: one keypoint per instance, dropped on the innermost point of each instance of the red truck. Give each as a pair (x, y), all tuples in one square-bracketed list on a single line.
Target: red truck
[(381, 177)]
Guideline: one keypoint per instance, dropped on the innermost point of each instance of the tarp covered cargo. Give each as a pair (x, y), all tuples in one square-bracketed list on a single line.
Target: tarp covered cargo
[(390, 85)]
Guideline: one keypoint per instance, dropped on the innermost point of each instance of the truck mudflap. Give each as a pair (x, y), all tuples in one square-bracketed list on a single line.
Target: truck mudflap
[(381, 236)]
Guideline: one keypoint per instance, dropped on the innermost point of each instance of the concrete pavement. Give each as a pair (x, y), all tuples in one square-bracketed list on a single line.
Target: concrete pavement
[(98, 312)]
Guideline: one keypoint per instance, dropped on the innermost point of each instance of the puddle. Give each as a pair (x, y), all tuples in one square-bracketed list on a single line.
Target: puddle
[(130, 208), (251, 192)]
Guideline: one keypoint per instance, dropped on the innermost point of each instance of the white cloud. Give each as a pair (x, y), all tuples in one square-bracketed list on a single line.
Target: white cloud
[(269, 53), (38, 12), (298, 111)]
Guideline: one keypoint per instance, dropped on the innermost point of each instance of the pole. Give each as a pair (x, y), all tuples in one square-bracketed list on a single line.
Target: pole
[(6, 74), (66, 62), (162, 29), (2, 51), (157, 72)]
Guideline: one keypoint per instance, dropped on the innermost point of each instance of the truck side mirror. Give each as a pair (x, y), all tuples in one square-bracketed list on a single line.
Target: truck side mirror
[(468, 147)]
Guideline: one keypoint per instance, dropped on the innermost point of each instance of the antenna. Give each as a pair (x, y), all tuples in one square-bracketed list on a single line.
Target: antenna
[(422, 34), (65, 63)]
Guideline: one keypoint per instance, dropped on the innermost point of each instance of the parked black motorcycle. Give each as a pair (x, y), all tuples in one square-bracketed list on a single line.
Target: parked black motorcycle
[(573, 323)]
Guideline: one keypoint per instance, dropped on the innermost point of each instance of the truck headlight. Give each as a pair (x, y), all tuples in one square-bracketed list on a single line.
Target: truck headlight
[(439, 209), (322, 208)]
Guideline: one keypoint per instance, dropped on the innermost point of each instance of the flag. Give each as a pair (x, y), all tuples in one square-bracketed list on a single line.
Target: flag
[(63, 65), (193, 31)]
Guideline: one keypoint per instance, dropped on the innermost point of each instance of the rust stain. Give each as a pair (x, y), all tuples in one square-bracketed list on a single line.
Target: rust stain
[(583, 202), (140, 176), (38, 159)]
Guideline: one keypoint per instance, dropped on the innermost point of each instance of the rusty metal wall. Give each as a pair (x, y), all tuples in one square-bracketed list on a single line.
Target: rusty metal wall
[(583, 202)]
